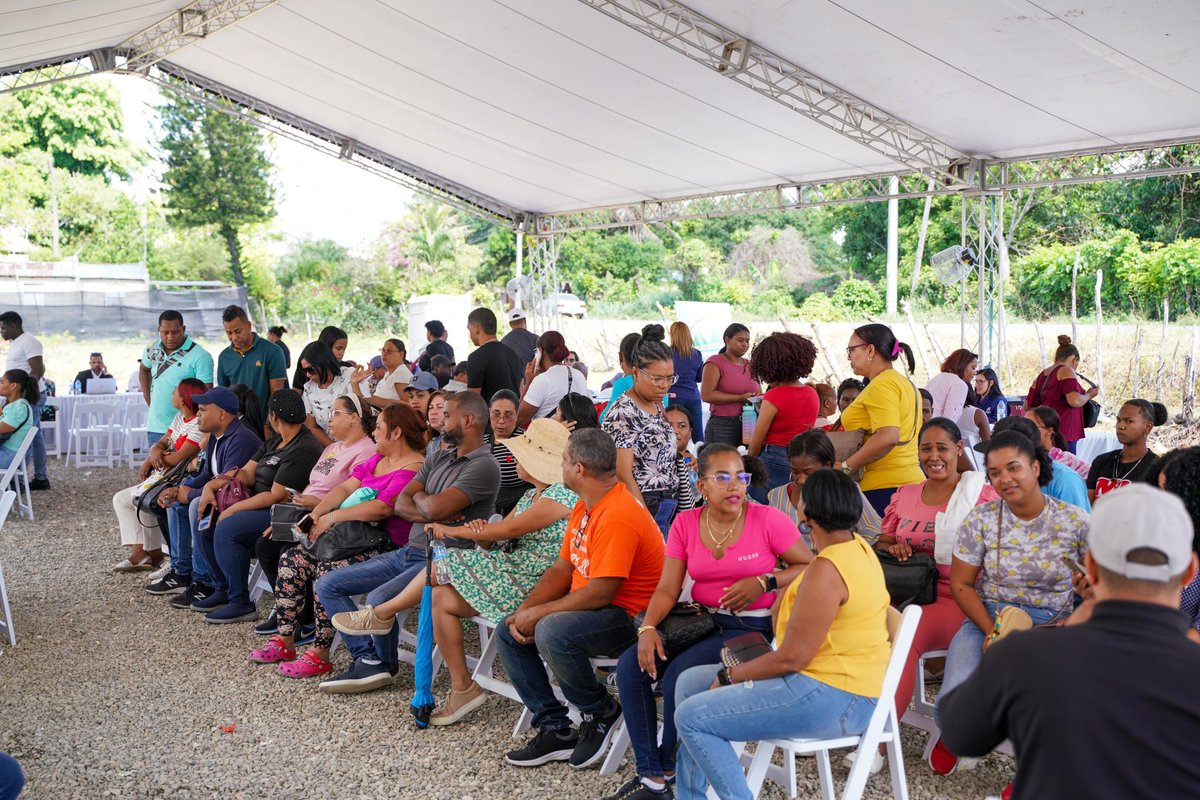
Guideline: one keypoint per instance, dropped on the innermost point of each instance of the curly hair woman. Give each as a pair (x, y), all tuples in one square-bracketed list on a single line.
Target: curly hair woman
[(789, 407)]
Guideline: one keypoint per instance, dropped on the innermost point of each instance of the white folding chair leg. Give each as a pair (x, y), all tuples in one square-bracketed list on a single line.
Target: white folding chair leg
[(896, 764), (616, 753), (7, 622), (825, 776), (258, 583), (756, 775), (524, 723)]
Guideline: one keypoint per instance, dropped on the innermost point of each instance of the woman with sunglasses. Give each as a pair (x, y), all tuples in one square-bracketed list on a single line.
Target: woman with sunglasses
[(645, 441), (730, 548), (327, 381), (888, 409), (503, 413)]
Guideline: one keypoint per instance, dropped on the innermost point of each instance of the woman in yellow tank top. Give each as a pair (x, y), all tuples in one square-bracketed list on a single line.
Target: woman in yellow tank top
[(825, 676)]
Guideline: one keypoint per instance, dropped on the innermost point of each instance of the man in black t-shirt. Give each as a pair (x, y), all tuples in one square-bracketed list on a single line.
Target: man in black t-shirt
[(435, 334), (492, 366)]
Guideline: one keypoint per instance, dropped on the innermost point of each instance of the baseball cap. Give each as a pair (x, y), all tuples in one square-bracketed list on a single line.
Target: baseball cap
[(1140, 516), (422, 382), (377, 362), (515, 315), (220, 397)]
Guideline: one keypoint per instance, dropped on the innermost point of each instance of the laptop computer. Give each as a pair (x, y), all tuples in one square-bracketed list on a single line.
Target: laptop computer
[(102, 386)]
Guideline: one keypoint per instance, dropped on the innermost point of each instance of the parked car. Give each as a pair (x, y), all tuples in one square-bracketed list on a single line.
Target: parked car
[(568, 305)]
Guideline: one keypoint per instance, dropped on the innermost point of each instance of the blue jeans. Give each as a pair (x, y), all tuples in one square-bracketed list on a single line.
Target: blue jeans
[(6, 457), (779, 468), (662, 507), (233, 545), (696, 409), (11, 778), (637, 694), (187, 560), (794, 706), (966, 648), (565, 640), (37, 450), (383, 577), (153, 438)]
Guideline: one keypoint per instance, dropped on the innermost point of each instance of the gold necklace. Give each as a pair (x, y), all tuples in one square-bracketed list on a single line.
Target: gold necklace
[(718, 552)]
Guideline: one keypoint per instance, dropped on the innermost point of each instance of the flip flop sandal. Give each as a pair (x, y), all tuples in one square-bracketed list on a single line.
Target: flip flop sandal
[(128, 566), (309, 665)]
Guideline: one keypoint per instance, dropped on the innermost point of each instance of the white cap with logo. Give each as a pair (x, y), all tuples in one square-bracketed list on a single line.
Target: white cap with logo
[(516, 314), (1140, 516)]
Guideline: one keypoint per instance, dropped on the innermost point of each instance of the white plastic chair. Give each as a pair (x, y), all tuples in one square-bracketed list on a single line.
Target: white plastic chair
[(53, 430), (16, 476), (883, 728), (134, 436), (95, 428), (6, 504)]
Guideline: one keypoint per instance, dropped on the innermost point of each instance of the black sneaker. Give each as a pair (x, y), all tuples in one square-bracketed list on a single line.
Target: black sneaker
[(268, 626), (595, 735), (39, 484), (636, 790), (169, 584), (361, 677), (547, 746), (195, 592), (307, 634)]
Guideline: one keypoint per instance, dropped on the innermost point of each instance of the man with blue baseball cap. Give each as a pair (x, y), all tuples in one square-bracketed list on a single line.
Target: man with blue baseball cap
[(229, 445), (1105, 706)]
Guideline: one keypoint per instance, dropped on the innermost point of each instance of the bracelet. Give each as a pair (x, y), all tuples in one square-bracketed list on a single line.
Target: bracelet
[(762, 582), (645, 628)]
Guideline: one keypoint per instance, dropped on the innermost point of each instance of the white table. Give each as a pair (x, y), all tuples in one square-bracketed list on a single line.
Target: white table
[(66, 414), (1095, 443)]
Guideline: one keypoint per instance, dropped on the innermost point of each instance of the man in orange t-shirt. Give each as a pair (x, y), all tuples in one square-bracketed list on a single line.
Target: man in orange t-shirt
[(582, 608)]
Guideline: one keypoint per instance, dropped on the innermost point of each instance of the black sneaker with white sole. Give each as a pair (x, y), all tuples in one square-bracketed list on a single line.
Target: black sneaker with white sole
[(636, 790), (194, 593), (169, 584), (268, 626), (545, 747), (595, 735)]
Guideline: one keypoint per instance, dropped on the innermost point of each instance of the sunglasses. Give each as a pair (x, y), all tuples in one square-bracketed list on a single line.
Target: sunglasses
[(577, 534)]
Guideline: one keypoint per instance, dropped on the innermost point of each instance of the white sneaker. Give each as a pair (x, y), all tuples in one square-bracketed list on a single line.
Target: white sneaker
[(162, 571), (876, 763)]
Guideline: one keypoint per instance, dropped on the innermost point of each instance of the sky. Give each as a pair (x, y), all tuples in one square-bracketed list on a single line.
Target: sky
[(318, 196)]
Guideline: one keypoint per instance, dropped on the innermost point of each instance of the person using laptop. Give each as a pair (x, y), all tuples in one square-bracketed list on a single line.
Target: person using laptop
[(96, 369)]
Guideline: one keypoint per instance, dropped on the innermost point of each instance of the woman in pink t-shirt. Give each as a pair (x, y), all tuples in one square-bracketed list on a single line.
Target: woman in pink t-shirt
[(910, 526), (731, 549)]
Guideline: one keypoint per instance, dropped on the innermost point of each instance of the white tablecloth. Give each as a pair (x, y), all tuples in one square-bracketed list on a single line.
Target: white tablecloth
[(1094, 443)]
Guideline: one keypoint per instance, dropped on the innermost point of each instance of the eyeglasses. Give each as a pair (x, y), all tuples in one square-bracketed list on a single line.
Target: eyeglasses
[(660, 380), (503, 415), (726, 480), (577, 534), (850, 350)]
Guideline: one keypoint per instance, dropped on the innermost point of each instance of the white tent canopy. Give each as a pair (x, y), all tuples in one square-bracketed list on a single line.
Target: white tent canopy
[(530, 107)]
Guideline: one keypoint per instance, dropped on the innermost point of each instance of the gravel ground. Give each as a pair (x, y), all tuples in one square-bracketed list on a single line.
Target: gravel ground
[(111, 693)]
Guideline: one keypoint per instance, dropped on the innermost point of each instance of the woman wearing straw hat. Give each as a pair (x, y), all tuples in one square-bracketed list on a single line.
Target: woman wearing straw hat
[(494, 579)]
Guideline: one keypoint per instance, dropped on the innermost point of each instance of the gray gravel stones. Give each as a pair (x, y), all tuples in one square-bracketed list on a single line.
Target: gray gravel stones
[(110, 693)]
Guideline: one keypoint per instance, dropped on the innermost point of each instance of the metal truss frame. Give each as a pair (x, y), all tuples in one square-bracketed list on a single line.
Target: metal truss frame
[(543, 268), (197, 20), (42, 73), (188, 84), (730, 54), (983, 231)]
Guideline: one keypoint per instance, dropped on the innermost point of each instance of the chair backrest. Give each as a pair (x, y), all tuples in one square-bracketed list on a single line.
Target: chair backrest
[(135, 414), (18, 459), (91, 415), (901, 630)]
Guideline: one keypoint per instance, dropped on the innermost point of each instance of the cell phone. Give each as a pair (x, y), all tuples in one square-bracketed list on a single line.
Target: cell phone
[(1073, 565), (205, 522), (537, 355), (291, 492), (305, 525)]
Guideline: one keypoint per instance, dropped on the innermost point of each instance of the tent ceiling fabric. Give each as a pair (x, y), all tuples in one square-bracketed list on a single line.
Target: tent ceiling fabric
[(549, 105)]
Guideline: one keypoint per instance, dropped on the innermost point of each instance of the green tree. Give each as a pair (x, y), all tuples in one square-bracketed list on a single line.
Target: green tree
[(217, 175), (79, 122), (310, 260)]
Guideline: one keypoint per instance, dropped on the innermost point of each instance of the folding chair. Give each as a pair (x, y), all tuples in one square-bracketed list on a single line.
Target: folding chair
[(16, 476), (883, 728), (53, 429), (94, 427), (920, 715), (133, 439), (6, 504)]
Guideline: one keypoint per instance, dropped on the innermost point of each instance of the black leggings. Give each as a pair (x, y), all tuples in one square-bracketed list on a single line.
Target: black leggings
[(268, 551)]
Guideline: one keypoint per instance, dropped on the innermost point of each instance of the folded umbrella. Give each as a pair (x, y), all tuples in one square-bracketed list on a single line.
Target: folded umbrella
[(423, 702)]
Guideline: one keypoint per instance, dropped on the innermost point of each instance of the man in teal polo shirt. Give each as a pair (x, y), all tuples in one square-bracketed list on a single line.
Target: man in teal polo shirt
[(164, 364), (249, 359)]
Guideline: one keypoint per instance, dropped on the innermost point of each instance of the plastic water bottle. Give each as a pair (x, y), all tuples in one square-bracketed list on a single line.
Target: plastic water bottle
[(77, 388), (749, 420), (441, 565)]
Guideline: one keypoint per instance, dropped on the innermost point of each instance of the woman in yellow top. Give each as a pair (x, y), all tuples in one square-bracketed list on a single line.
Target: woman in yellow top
[(888, 409), (825, 676)]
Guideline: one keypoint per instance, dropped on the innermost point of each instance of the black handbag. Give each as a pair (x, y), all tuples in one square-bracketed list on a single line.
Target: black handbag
[(683, 626), (283, 517), (744, 648), (347, 539), (912, 581), (1091, 414), (148, 501)]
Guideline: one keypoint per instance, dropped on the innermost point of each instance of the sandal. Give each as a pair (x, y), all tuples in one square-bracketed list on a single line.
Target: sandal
[(274, 650), (309, 665), (129, 566)]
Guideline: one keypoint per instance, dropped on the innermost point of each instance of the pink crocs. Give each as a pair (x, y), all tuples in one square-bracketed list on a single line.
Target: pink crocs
[(309, 665), (274, 650)]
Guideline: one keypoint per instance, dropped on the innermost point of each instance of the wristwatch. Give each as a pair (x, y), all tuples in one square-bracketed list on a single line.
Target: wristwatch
[(772, 582), (847, 469), (723, 677)]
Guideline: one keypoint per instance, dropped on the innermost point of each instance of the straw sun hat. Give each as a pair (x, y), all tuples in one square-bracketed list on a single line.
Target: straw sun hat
[(540, 450)]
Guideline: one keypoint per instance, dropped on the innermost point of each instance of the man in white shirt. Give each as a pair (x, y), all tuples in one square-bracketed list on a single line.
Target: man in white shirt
[(25, 352)]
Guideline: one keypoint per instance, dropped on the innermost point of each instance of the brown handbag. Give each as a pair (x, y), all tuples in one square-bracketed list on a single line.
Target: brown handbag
[(846, 444)]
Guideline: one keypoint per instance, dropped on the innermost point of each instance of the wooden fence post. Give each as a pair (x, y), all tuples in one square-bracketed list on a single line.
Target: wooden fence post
[(1074, 299), (1189, 389), (1099, 339), (938, 355), (833, 372), (916, 340), (1135, 366), (1162, 351)]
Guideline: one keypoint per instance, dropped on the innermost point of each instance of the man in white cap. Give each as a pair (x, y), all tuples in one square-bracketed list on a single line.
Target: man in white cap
[(520, 339), (1106, 707)]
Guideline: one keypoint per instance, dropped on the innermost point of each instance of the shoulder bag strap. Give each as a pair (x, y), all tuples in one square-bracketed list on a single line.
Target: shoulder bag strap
[(169, 361), (570, 378)]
